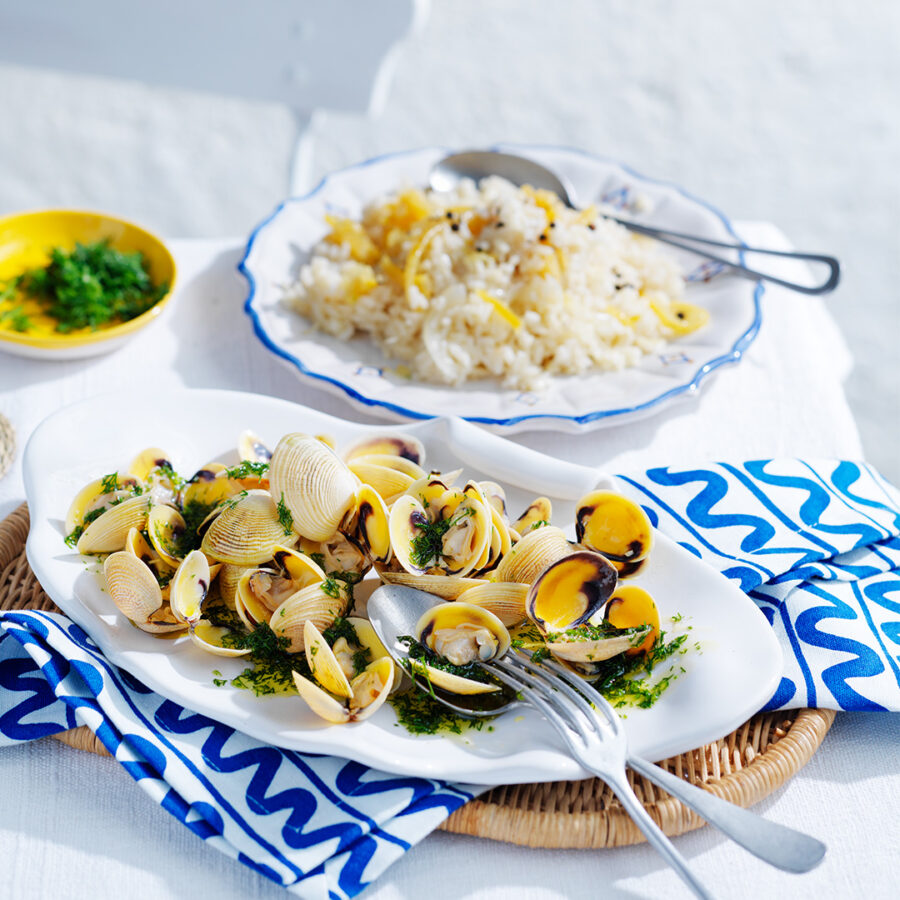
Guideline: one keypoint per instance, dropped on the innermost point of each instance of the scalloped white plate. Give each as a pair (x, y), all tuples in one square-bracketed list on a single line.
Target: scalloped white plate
[(734, 676), (358, 371)]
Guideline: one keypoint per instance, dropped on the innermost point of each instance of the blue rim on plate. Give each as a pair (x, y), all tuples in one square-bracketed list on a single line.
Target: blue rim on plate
[(688, 387)]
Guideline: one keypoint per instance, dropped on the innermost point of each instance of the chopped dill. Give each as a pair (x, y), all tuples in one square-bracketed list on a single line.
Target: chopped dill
[(176, 480), (232, 502), (428, 545), (341, 628), (539, 524), (194, 513), (285, 519), (273, 666), (419, 653), (318, 559), (109, 483), (247, 468), (17, 319), (219, 682), (420, 713)]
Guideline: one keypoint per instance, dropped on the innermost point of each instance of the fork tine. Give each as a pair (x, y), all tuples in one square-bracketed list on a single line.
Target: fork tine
[(585, 688), (560, 685), (566, 728)]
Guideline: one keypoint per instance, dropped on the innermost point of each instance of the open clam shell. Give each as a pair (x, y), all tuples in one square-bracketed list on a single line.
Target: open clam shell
[(539, 510), (109, 531), (208, 637), (314, 484), (99, 494), (570, 591), (613, 525), (267, 587), (252, 448), (372, 525), (147, 460), (390, 476), (632, 607), (323, 664), (165, 526), (189, 587), (404, 446)]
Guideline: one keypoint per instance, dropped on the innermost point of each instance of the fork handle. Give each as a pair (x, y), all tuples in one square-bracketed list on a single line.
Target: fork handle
[(778, 845), (654, 834), (677, 239)]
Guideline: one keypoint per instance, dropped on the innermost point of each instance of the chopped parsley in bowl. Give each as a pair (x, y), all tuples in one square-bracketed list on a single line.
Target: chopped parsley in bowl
[(75, 284)]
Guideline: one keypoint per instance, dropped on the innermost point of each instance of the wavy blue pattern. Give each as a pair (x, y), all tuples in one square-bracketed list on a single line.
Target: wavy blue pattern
[(829, 535)]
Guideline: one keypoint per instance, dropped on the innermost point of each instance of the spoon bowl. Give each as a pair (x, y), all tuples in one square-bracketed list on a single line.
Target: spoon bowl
[(393, 610)]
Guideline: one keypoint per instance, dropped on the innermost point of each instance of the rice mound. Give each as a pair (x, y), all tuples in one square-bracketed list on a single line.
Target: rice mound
[(493, 281)]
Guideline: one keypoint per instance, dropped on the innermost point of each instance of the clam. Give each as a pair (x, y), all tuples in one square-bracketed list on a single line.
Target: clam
[(189, 587), (632, 607), (529, 557), (450, 587), (390, 476), (323, 663), (109, 531), (246, 531), (450, 534), (404, 446), (315, 603), (165, 526), (539, 510), (136, 544), (252, 448), (269, 586), (368, 691), (313, 483), (570, 591), (344, 553), (99, 494), (228, 582), (209, 637), (132, 586), (209, 486), (363, 647), (506, 600), (461, 634), (496, 496), (613, 525), (146, 461), (372, 528)]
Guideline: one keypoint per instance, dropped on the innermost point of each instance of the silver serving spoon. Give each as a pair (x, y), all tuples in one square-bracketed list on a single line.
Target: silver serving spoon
[(394, 611), (479, 164)]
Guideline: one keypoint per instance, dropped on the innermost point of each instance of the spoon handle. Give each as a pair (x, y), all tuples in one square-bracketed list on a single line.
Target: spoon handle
[(778, 845), (677, 239)]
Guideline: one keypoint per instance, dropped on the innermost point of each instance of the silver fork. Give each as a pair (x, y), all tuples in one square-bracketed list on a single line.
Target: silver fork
[(594, 734), (600, 750)]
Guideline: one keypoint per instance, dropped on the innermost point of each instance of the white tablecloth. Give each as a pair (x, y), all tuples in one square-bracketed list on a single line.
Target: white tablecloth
[(73, 825)]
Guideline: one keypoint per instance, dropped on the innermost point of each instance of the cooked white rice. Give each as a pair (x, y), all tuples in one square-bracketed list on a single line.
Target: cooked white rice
[(493, 281)]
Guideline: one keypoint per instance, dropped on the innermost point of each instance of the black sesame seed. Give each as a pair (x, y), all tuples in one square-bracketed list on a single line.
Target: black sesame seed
[(454, 226)]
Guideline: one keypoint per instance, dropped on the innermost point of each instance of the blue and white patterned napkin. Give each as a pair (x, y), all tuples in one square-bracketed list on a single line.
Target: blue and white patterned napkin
[(817, 545)]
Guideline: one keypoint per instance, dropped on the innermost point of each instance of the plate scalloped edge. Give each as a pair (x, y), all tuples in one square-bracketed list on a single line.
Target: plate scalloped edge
[(585, 422)]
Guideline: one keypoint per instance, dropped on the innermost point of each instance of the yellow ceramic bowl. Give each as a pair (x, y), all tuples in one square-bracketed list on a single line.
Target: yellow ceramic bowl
[(26, 240)]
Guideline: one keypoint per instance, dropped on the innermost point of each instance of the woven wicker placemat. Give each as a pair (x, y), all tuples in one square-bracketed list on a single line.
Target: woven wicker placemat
[(743, 767), (7, 444)]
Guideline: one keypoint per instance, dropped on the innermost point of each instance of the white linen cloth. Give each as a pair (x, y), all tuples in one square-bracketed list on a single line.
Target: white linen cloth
[(783, 399)]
